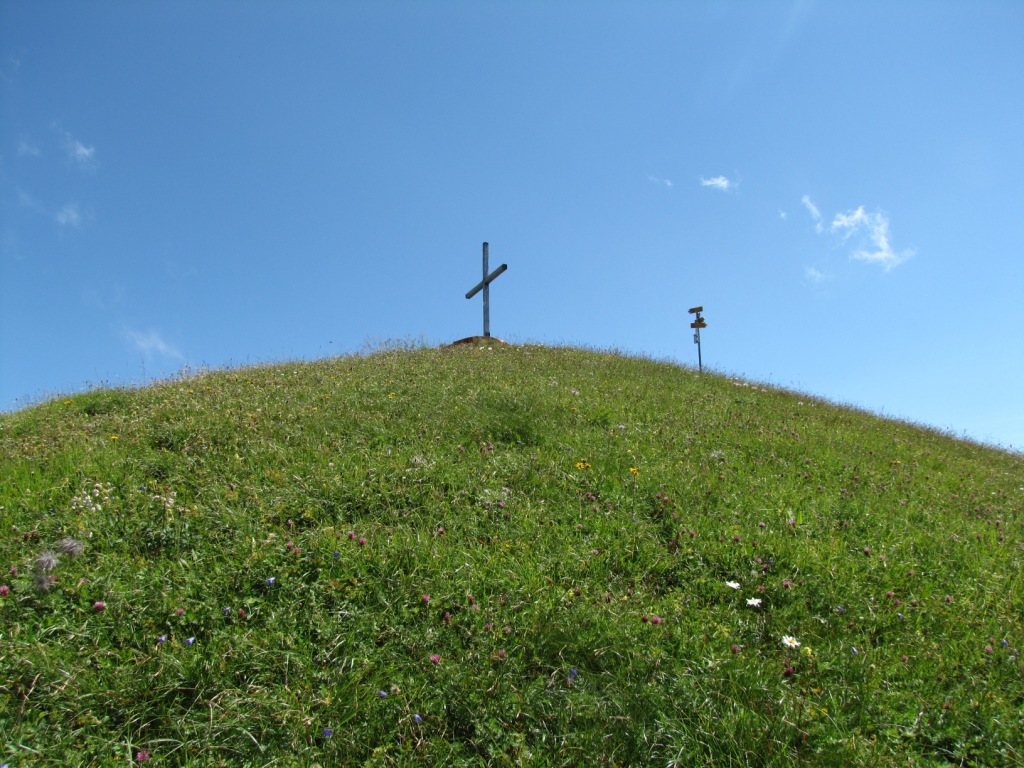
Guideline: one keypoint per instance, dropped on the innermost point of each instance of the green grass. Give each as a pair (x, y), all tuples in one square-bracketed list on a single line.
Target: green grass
[(502, 556)]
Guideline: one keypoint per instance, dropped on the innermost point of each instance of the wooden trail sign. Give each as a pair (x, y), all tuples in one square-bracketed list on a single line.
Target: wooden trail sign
[(485, 285)]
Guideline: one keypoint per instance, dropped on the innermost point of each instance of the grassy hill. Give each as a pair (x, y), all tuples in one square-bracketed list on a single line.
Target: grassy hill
[(502, 555)]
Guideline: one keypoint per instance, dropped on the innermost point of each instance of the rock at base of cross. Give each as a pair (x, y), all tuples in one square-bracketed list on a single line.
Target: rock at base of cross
[(478, 340)]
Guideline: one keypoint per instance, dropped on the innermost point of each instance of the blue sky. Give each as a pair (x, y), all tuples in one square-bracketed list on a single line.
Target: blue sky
[(839, 184)]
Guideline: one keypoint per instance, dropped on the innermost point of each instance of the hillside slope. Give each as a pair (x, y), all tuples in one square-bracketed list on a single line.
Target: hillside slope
[(502, 556)]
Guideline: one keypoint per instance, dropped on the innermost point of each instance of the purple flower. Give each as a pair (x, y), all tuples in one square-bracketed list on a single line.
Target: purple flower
[(328, 733), (162, 639), (382, 694), (435, 658), (190, 641), (270, 581), (417, 718), (99, 605)]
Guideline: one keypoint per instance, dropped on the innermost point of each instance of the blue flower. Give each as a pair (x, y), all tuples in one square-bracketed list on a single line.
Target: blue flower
[(190, 641), (417, 718), (270, 581), (328, 733), (382, 694)]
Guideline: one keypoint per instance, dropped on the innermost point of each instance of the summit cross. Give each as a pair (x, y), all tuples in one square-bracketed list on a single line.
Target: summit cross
[(485, 285)]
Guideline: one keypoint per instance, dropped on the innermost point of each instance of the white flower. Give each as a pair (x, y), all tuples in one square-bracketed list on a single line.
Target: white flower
[(733, 584), (790, 642), (754, 602)]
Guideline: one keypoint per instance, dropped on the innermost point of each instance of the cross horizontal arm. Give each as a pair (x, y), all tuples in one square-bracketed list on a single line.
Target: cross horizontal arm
[(479, 286)]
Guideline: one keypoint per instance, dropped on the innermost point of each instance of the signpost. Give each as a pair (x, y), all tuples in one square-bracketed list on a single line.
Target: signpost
[(697, 325), (485, 285)]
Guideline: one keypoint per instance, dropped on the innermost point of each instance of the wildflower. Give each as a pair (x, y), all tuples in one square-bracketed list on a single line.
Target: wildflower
[(270, 581), (855, 651), (425, 598), (572, 673), (99, 605), (635, 471), (382, 694), (840, 609), (655, 619), (190, 641), (733, 584), (989, 649), (790, 642), (71, 547), (754, 602), (435, 658), (867, 550), (179, 611), (4, 590), (241, 613), (351, 534), (786, 584), (328, 733), (583, 464), (789, 671), (735, 648), (948, 598), (501, 653), (47, 562), (417, 718), (162, 639), (141, 756), (362, 541)]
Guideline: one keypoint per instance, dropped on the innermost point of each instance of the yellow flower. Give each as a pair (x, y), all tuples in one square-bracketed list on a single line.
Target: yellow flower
[(114, 437), (583, 464), (635, 471)]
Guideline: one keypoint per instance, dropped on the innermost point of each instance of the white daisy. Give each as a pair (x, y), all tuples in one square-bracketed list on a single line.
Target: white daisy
[(790, 642), (754, 602), (733, 584)]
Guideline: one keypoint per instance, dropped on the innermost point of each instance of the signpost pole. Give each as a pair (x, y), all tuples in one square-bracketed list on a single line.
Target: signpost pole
[(697, 324)]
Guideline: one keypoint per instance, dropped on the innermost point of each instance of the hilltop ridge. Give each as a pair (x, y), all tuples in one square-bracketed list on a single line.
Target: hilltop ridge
[(502, 555)]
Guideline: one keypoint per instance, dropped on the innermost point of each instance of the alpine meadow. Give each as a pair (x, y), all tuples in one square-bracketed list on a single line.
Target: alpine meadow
[(502, 555)]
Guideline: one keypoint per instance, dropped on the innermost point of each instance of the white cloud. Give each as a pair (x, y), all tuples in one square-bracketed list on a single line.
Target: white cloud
[(872, 231), (660, 182), (718, 182), (69, 216), (152, 343), (813, 210), (815, 276), (79, 153)]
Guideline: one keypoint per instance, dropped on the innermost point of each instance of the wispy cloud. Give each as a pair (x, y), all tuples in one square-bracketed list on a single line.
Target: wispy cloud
[(660, 182), (813, 210), (718, 182), (28, 148), (871, 231), (152, 343), (83, 156), (69, 216), (815, 275)]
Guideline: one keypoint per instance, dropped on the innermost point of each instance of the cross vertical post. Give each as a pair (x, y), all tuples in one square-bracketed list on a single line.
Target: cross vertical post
[(485, 285), (487, 298)]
